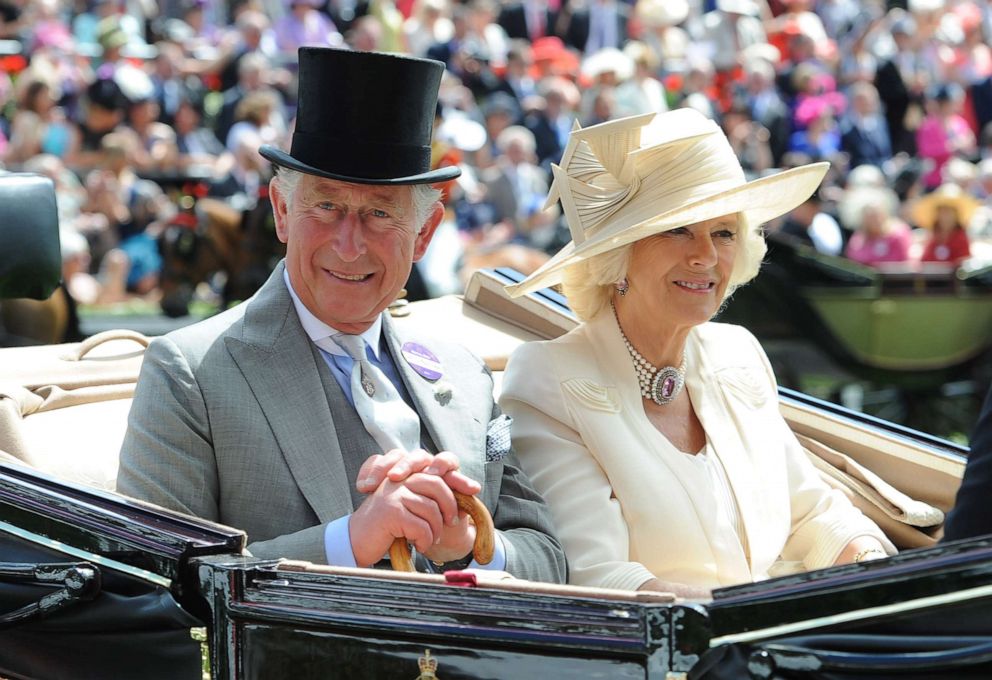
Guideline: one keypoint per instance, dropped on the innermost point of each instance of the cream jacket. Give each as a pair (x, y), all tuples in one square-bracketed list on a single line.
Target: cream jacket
[(628, 505)]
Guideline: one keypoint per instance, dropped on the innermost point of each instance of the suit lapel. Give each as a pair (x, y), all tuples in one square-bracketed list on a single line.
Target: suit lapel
[(277, 361), (442, 408)]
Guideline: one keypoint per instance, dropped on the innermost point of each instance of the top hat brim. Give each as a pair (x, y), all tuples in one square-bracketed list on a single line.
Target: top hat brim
[(280, 158)]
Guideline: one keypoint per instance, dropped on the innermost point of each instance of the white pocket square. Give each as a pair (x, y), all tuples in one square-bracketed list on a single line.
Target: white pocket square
[(498, 438)]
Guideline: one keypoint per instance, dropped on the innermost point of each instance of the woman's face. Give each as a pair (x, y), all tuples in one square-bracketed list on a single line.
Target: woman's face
[(873, 219), (682, 274), (946, 220)]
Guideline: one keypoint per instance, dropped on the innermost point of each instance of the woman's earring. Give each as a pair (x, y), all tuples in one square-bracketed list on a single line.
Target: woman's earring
[(622, 286)]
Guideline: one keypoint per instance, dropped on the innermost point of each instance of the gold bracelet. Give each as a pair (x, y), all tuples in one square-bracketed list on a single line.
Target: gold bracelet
[(868, 551)]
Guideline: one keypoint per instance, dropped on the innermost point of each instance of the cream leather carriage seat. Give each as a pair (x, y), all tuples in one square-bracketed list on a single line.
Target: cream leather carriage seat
[(63, 408)]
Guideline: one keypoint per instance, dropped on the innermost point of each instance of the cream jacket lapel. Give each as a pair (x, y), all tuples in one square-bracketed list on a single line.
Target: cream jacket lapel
[(612, 355)]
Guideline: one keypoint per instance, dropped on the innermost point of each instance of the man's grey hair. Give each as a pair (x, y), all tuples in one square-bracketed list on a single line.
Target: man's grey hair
[(424, 196)]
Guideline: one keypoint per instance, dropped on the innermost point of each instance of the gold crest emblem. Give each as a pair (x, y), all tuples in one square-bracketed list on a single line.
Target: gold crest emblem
[(427, 666)]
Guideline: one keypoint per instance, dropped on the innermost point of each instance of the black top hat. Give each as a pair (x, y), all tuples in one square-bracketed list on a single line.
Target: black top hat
[(364, 117)]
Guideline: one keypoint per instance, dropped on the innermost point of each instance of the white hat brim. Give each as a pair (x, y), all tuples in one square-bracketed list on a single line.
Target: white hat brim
[(760, 200)]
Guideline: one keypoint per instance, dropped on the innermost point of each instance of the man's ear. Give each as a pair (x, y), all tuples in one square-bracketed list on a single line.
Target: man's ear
[(427, 232), (280, 210)]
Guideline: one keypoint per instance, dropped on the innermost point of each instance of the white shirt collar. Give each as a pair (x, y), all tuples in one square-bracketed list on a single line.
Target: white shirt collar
[(318, 330)]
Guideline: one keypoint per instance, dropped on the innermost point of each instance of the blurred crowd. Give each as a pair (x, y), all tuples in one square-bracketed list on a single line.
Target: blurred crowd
[(142, 112)]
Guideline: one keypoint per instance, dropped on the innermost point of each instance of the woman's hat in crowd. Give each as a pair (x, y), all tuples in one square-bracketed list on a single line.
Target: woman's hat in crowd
[(856, 198), (924, 211), (364, 117), (625, 180), (662, 13)]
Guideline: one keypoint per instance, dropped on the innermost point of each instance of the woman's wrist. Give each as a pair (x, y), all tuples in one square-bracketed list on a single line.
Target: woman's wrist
[(868, 554)]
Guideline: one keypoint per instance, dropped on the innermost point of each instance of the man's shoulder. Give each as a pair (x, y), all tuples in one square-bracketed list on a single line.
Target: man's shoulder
[(197, 339)]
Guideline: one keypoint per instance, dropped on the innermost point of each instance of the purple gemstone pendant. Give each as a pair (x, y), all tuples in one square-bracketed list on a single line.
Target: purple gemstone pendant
[(666, 385)]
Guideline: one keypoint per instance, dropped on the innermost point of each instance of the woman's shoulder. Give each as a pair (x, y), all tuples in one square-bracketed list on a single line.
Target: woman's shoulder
[(543, 357), (728, 345), (717, 334)]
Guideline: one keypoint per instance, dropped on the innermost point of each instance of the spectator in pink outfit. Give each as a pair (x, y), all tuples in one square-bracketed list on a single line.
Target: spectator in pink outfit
[(879, 237), (944, 132)]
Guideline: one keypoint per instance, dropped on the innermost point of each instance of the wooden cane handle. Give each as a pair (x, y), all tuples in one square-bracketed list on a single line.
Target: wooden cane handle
[(485, 536)]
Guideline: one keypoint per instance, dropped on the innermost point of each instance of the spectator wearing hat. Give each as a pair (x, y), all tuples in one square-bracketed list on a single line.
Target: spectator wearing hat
[(944, 132), (879, 236), (730, 29), (385, 423), (111, 37), (663, 31), (603, 71), (947, 214)]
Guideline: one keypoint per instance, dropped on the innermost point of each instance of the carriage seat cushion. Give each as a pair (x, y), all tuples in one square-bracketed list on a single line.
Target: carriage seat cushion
[(64, 409), (30, 259), (908, 522)]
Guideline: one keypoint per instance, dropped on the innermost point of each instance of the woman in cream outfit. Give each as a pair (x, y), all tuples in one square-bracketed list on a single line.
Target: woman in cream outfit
[(652, 485)]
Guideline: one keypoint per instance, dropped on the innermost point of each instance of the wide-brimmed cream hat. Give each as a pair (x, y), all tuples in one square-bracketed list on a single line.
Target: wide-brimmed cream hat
[(628, 179)]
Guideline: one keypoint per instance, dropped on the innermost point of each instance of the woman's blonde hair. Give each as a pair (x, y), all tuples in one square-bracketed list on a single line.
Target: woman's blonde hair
[(589, 284)]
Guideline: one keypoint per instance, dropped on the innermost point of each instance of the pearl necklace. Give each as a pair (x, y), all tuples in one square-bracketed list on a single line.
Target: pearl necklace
[(660, 385)]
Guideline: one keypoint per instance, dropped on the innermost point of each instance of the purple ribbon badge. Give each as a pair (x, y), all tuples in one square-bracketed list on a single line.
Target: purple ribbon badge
[(422, 360)]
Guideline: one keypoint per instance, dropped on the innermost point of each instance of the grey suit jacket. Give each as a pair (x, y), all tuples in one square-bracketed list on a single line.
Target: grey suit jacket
[(230, 422)]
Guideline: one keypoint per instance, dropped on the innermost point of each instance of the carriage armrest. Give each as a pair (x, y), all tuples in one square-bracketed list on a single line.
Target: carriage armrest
[(30, 256)]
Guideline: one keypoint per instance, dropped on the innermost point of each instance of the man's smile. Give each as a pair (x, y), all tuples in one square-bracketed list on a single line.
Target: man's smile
[(341, 276)]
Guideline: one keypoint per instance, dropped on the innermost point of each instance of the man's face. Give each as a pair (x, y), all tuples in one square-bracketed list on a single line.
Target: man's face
[(350, 247)]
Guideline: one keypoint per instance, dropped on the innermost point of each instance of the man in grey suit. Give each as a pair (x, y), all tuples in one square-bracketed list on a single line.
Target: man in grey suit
[(249, 418)]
